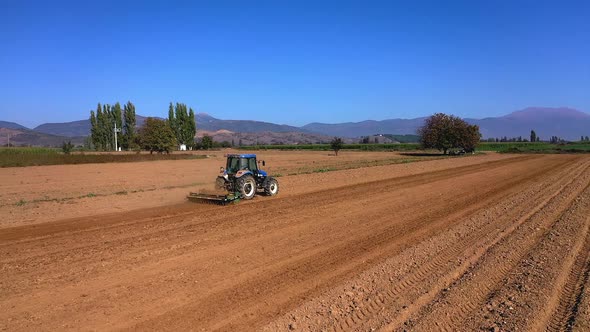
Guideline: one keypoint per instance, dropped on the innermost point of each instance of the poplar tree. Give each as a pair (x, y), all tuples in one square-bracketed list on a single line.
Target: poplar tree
[(171, 119), (116, 119), (100, 142), (108, 135), (533, 136), (182, 123), (93, 129), (192, 128), (129, 134)]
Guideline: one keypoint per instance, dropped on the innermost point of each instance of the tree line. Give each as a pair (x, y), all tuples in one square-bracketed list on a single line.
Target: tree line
[(109, 118), (113, 127)]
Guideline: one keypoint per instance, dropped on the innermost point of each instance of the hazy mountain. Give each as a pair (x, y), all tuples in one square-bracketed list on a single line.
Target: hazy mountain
[(28, 137), (204, 122), (564, 122), (365, 128), (74, 128), (209, 123), (11, 125)]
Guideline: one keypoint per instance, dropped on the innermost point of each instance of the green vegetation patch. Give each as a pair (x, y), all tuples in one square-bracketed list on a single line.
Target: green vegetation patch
[(327, 147), (21, 157), (535, 147)]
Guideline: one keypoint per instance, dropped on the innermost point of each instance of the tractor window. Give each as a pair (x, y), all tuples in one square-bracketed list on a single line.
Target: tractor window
[(243, 163), (252, 164), (233, 165)]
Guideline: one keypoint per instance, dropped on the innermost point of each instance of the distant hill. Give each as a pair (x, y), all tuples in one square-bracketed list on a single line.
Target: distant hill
[(209, 123), (74, 128), (11, 125), (204, 122), (566, 123), (28, 137), (366, 128)]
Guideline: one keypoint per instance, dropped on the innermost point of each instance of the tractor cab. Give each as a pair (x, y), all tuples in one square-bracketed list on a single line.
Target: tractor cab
[(241, 164), (237, 162)]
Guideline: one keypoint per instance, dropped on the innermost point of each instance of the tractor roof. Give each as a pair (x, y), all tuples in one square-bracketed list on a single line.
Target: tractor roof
[(241, 155)]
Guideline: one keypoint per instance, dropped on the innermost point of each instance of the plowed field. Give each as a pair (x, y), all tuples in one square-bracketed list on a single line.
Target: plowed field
[(480, 243)]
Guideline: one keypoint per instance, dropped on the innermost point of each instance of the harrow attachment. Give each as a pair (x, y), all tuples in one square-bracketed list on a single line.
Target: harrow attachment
[(214, 199)]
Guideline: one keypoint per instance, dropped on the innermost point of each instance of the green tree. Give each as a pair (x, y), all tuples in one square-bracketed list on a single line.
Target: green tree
[(183, 123), (128, 137), (107, 126), (100, 141), (180, 117), (156, 135), (336, 144), (93, 129), (206, 142), (191, 130), (533, 136), (171, 119), (117, 119), (444, 132), (67, 147)]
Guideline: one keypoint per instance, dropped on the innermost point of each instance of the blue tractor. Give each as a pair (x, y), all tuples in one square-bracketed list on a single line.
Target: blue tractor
[(242, 179), (241, 175)]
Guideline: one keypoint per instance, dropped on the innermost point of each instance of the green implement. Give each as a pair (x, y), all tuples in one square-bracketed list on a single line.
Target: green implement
[(214, 199)]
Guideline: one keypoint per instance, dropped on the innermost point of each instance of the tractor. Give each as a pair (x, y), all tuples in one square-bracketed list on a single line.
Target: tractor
[(242, 179)]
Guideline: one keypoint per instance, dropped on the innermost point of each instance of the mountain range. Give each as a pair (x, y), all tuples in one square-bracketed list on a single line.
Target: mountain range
[(563, 122)]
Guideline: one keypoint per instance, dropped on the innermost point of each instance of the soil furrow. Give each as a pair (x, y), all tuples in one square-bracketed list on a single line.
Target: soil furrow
[(469, 292), (561, 310), (389, 297), (174, 228), (384, 238), (416, 246)]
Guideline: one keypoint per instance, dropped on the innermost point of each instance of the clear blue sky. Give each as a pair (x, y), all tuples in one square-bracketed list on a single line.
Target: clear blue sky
[(293, 62)]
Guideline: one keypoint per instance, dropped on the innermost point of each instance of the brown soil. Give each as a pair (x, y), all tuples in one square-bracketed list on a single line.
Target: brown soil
[(46, 193), (490, 242)]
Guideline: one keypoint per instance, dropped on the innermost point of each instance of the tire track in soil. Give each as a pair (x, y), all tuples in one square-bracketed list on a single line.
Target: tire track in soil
[(289, 277), (176, 221), (83, 257), (311, 267), (450, 308), (563, 317), (383, 297), (539, 287), (436, 267), (32, 233)]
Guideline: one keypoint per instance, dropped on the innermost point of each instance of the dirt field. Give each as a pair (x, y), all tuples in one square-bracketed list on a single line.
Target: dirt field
[(39, 194), (494, 242)]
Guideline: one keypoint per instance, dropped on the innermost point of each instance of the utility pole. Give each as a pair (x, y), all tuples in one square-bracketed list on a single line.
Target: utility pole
[(8, 145), (117, 130)]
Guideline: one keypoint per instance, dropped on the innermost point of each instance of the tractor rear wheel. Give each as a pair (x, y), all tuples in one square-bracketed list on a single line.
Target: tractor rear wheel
[(219, 183), (247, 186), (271, 186)]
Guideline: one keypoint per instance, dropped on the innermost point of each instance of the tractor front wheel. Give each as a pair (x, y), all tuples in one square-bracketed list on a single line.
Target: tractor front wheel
[(271, 186), (247, 186)]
